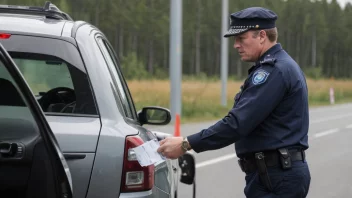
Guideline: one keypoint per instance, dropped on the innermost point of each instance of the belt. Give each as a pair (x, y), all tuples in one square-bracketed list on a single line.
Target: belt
[(272, 158)]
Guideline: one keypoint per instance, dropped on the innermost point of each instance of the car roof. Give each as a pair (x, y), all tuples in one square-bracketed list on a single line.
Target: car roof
[(31, 24), (46, 21)]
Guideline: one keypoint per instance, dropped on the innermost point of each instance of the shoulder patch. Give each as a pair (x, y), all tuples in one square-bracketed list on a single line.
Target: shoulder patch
[(259, 77)]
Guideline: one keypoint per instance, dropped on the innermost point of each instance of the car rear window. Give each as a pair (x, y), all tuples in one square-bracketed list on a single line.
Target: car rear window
[(55, 73)]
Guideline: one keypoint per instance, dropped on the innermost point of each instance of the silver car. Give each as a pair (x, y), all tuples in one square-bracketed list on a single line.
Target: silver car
[(74, 73)]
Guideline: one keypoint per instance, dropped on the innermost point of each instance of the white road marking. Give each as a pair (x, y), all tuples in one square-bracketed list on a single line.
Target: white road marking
[(332, 107), (349, 127), (216, 160), (231, 156), (324, 133), (331, 118)]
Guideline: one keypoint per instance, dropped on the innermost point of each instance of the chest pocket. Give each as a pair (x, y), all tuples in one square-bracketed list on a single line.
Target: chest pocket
[(237, 97), (243, 87), (239, 94)]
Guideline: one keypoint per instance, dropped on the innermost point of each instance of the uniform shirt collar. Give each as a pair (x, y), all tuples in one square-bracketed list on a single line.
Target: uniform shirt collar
[(269, 53)]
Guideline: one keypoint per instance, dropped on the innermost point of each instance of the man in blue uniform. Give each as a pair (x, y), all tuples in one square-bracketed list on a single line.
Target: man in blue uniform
[(269, 120)]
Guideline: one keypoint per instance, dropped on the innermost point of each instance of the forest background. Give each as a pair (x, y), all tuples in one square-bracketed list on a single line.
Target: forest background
[(315, 33)]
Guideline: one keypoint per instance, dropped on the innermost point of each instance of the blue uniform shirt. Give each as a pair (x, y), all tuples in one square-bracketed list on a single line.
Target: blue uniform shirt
[(270, 111)]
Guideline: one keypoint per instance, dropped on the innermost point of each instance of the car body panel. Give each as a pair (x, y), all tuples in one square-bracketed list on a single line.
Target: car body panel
[(108, 161), (67, 29), (75, 134), (80, 170)]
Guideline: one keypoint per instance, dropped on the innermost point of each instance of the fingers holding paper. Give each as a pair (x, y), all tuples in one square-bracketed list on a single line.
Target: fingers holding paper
[(171, 147)]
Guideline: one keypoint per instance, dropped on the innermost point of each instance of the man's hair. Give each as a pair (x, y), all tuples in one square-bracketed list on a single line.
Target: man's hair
[(271, 33)]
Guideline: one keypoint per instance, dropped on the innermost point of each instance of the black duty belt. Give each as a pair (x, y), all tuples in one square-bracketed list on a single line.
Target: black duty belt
[(248, 163)]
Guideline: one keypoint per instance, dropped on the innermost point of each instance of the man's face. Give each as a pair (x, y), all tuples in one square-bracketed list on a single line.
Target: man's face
[(248, 46)]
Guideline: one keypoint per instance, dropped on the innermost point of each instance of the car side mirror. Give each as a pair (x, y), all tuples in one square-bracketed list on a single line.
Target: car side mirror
[(154, 116), (188, 168)]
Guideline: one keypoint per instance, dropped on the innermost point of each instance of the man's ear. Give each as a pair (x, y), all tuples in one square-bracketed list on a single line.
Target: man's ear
[(262, 36)]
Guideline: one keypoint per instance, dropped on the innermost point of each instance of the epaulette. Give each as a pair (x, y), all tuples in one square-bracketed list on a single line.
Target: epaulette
[(268, 61)]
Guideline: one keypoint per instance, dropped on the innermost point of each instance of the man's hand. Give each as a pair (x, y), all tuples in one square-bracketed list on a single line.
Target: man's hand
[(170, 147)]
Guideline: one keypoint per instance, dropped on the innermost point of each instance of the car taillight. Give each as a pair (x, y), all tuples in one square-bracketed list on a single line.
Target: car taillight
[(4, 36), (134, 176)]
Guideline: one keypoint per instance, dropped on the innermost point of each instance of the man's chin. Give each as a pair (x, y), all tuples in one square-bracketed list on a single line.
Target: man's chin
[(246, 59)]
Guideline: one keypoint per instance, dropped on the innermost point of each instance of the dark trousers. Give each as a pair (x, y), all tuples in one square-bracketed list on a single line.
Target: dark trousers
[(292, 183)]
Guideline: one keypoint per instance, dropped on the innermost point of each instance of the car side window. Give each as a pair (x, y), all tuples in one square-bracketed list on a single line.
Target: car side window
[(59, 87), (123, 81), (111, 61)]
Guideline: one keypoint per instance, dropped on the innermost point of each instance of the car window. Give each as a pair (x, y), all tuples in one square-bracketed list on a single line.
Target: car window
[(59, 86), (122, 79), (55, 74), (42, 75), (128, 106)]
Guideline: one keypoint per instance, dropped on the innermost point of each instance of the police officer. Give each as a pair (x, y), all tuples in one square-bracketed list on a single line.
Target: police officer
[(269, 120)]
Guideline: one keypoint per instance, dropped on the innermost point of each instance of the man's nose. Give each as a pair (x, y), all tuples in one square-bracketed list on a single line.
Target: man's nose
[(236, 44)]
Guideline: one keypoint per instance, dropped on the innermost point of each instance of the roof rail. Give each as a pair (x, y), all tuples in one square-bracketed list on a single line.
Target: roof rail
[(49, 11)]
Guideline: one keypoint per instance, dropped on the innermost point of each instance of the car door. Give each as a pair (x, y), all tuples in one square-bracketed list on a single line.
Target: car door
[(59, 81), (31, 162)]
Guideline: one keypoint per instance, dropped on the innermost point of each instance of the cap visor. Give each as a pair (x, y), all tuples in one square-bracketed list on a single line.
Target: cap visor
[(234, 32)]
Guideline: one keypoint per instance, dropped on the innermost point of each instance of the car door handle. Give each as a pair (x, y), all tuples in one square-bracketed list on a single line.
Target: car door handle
[(70, 156), (8, 149)]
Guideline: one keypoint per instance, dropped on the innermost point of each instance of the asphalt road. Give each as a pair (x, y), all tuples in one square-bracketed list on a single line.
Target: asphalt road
[(329, 158)]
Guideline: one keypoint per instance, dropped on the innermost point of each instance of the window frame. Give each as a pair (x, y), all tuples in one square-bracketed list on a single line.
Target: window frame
[(116, 75)]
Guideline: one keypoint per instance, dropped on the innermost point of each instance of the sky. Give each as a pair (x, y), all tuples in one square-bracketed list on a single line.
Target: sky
[(343, 2)]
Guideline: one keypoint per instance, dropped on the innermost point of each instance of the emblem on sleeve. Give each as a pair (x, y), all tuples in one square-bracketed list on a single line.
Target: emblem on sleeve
[(259, 77)]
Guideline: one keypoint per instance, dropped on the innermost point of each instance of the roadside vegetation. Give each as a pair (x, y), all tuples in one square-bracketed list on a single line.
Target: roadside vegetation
[(201, 98), (201, 94)]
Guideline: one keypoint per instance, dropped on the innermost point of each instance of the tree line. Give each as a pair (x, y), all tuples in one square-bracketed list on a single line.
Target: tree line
[(315, 33)]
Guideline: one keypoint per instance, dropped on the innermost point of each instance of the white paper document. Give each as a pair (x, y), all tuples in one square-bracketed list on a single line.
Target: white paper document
[(147, 153)]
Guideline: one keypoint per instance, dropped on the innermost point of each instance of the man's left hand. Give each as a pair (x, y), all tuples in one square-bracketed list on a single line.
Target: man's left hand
[(170, 147)]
